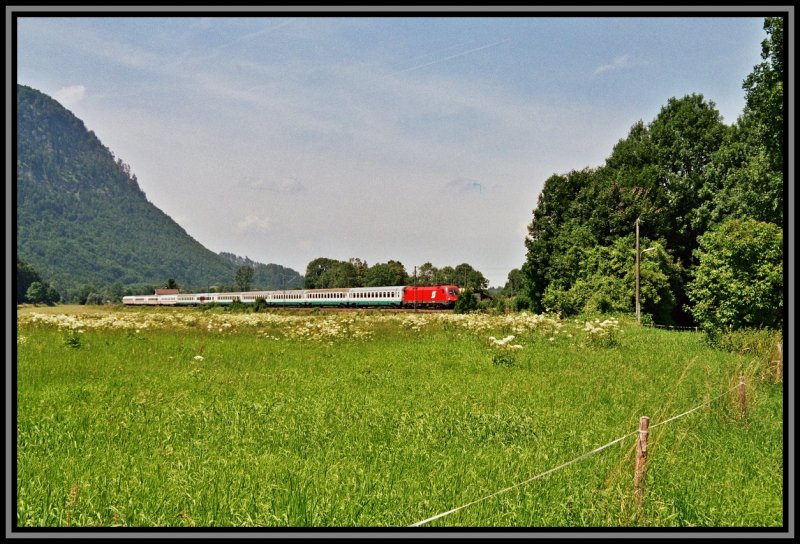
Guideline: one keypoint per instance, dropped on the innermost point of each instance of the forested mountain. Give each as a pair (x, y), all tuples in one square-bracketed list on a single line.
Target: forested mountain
[(84, 223), (685, 176)]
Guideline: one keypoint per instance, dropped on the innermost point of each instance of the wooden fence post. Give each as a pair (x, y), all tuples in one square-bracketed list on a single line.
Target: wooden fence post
[(779, 363), (742, 398), (641, 461)]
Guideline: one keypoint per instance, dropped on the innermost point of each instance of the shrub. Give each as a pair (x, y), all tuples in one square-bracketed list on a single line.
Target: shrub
[(466, 302), (503, 358), (72, 340), (521, 302), (259, 305), (738, 282)]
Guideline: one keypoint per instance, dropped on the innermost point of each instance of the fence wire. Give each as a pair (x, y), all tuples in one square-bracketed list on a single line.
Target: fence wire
[(564, 465)]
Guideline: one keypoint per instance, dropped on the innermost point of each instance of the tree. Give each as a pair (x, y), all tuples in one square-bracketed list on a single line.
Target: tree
[(748, 170), (605, 281), (315, 271), (551, 213), (445, 276), (468, 277), (361, 268), (26, 275), (386, 274), (515, 284), (244, 277), (83, 293), (340, 274), (52, 296), (426, 274), (739, 280), (764, 93), (36, 293), (171, 284), (685, 136), (42, 293)]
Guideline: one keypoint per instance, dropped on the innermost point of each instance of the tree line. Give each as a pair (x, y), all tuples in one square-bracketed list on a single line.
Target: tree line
[(325, 273), (699, 189)]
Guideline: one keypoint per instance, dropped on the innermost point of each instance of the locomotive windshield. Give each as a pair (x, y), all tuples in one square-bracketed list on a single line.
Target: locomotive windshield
[(453, 292)]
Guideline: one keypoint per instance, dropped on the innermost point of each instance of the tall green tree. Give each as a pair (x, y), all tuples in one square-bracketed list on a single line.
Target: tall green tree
[(244, 277), (426, 274), (747, 174), (686, 134), (469, 278), (386, 274), (764, 110), (315, 270), (515, 283), (341, 274), (547, 236), (361, 268)]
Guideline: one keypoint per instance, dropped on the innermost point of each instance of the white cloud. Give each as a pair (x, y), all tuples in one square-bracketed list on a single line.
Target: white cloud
[(285, 186), (253, 222), (619, 63), (70, 96)]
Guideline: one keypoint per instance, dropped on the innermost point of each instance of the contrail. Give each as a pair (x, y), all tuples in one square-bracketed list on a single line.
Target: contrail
[(452, 56)]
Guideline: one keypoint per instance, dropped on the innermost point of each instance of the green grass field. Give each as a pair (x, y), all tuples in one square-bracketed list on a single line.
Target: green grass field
[(177, 417)]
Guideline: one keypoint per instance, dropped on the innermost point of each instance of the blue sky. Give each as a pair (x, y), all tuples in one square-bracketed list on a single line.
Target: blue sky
[(417, 138)]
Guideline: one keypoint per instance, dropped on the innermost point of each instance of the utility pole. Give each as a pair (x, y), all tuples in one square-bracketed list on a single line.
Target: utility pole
[(638, 306)]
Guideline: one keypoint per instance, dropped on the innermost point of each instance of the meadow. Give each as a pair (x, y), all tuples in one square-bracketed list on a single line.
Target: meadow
[(158, 417)]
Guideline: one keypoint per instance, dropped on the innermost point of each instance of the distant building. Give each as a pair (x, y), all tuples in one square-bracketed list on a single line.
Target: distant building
[(482, 295), (167, 291)]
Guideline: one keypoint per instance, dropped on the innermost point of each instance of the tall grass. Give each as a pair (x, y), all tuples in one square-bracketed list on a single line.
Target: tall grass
[(385, 424)]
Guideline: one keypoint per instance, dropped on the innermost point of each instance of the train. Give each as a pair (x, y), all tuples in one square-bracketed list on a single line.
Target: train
[(433, 296)]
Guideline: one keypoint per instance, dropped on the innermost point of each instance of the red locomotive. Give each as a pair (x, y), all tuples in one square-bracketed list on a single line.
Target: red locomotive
[(436, 296)]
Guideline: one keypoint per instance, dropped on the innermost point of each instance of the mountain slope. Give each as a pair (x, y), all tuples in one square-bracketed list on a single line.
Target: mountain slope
[(81, 217)]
